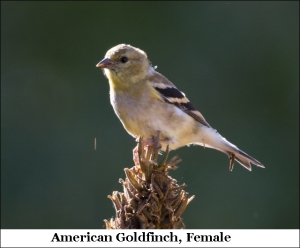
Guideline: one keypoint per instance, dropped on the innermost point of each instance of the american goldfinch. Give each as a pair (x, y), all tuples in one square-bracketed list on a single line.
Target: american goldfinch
[(145, 101)]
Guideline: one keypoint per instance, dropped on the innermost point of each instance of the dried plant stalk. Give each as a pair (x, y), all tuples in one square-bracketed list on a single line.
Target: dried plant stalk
[(151, 199)]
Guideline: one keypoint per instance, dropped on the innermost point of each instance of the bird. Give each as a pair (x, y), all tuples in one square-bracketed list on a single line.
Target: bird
[(146, 102)]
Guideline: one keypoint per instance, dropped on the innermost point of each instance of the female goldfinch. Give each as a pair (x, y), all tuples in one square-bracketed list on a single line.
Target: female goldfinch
[(145, 101)]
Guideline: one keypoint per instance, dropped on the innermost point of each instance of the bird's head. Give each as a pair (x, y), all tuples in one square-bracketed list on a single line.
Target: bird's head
[(125, 65)]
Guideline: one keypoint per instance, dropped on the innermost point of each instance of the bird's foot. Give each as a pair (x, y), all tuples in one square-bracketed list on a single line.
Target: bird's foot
[(145, 145), (150, 142)]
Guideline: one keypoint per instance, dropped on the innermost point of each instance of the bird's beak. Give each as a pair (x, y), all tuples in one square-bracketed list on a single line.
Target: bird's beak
[(106, 63)]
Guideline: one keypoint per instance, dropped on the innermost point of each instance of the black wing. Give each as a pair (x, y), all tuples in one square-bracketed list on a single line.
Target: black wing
[(174, 96)]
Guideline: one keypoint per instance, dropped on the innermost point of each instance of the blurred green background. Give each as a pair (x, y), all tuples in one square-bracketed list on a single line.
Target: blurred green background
[(238, 62)]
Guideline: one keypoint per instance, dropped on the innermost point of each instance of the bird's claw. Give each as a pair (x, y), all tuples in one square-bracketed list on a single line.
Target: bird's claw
[(144, 144)]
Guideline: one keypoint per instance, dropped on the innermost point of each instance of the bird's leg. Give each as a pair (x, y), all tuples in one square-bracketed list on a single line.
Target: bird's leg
[(143, 146), (140, 149)]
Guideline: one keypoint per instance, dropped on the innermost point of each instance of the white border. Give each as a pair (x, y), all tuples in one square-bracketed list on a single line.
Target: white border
[(238, 238)]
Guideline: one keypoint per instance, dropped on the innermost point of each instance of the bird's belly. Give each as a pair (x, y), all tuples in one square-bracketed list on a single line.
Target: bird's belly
[(174, 125)]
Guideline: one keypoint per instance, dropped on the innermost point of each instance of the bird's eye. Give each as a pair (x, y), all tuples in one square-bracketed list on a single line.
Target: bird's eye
[(124, 59)]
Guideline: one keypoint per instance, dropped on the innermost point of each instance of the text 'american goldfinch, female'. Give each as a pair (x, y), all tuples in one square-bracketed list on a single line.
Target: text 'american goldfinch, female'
[(146, 102)]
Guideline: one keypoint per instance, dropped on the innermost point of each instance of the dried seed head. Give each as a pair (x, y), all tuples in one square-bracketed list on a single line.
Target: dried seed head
[(151, 198)]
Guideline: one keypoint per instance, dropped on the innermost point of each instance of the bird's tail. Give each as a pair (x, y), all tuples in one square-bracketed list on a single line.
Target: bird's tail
[(244, 159), (216, 141), (235, 154)]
